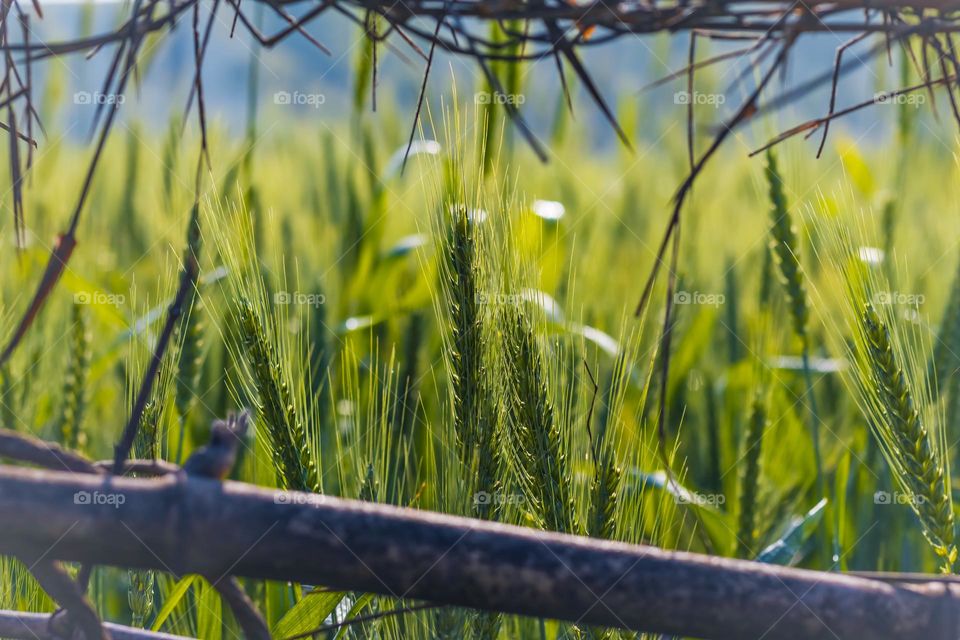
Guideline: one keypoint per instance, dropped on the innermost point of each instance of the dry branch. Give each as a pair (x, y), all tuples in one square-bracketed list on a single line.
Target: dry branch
[(193, 525)]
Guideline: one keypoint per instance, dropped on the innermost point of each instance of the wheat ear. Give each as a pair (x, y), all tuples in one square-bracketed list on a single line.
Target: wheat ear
[(190, 360), (287, 438), (749, 478), (75, 382), (542, 458), (140, 592), (907, 443)]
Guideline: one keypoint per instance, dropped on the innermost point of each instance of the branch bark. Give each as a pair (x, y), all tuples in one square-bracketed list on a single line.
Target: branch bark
[(193, 525)]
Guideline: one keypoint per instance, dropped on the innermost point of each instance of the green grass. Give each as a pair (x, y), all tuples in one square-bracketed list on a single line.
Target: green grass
[(397, 345)]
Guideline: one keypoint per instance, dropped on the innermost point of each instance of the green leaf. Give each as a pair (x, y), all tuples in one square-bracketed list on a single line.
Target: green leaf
[(355, 610), (717, 524), (309, 613), (209, 612), (176, 595), (786, 550)]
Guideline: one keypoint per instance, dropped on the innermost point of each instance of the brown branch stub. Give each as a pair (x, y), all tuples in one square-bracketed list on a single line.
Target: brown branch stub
[(23, 448)]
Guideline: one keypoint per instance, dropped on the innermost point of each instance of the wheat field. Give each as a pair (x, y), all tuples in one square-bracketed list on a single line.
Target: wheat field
[(460, 337)]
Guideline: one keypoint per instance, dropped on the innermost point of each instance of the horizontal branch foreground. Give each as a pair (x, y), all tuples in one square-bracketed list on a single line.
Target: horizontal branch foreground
[(192, 525)]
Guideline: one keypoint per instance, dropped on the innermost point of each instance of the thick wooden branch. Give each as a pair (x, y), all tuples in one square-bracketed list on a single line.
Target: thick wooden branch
[(193, 525)]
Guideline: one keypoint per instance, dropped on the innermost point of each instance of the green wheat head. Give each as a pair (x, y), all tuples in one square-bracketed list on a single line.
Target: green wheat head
[(145, 445), (890, 379), (469, 257), (603, 499), (785, 249), (749, 479), (909, 447), (542, 461), (75, 381), (191, 328), (945, 366), (467, 339), (293, 457), (274, 367), (140, 594)]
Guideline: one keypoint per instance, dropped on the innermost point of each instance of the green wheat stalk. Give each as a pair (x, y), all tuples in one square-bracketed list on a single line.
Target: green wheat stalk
[(467, 339), (907, 445), (75, 381), (190, 360), (607, 476), (474, 420), (474, 415), (292, 454), (945, 366), (140, 593), (786, 251), (785, 248), (749, 479), (604, 494), (542, 459)]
